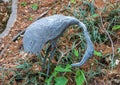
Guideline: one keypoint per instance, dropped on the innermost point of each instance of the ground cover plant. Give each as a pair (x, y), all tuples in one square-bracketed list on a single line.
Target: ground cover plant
[(103, 22)]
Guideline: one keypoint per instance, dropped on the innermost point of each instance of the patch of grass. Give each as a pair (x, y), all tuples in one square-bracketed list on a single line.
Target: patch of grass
[(79, 79), (61, 72), (88, 15), (27, 73)]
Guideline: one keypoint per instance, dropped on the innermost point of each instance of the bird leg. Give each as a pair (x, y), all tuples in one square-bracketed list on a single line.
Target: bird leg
[(53, 49), (47, 53), (53, 46)]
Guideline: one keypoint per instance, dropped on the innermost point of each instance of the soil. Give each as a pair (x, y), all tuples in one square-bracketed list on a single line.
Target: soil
[(26, 15), (4, 14)]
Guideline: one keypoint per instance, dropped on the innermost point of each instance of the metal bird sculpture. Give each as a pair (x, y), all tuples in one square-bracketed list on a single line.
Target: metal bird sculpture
[(48, 29)]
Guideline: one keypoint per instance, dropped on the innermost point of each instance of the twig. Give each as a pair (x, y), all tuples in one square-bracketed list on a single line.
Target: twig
[(11, 19), (44, 13), (4, 49), (113, 52)]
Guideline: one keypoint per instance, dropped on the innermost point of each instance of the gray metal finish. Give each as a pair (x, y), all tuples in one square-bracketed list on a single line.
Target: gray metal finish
[(49, 29)]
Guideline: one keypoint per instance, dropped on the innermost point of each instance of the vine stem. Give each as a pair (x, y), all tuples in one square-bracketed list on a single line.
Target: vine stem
[(113, 51)]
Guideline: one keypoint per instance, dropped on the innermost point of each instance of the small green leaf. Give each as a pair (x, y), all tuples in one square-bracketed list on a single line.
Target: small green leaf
[(80, 77), (66, 69), (118, 50), (96, 53), (72, 1), (95, 15), (61, 81), (76, 52), (23, 3), (68, 66), (34, 6), (24, 65), (21, 66), (49, 80), (116, 27), (30, 18)]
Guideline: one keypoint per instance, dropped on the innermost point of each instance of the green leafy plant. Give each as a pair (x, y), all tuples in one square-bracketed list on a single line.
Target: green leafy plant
[(49, 80), (61, 80), (57, 70), (116, 27), (80, 77), (76, 53), (95, 15), (34, 6), (66, 69), (96, 53)]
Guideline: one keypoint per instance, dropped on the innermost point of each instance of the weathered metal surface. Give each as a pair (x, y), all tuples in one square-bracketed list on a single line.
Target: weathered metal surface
[(49, 29)]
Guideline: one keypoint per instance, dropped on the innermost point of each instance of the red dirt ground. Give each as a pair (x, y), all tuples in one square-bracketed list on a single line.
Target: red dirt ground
[(14, 51)]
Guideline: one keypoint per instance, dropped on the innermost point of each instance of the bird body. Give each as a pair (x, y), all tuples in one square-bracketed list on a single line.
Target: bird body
[(49, 29), (44, 30)]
